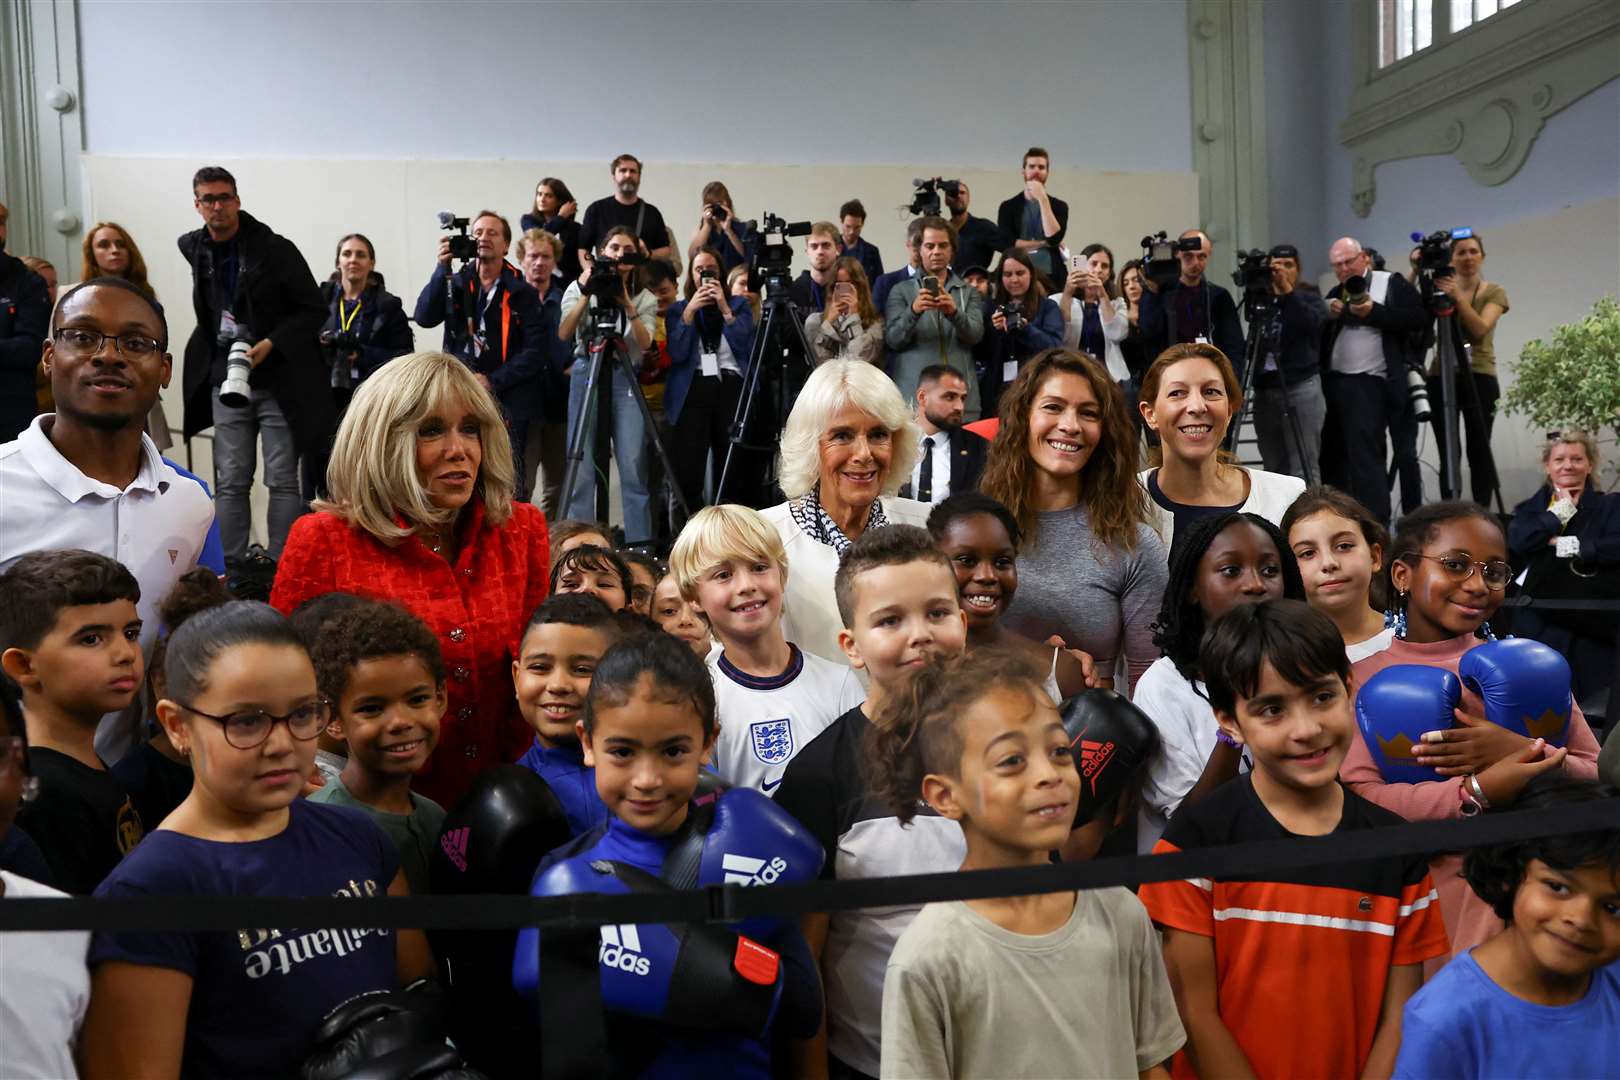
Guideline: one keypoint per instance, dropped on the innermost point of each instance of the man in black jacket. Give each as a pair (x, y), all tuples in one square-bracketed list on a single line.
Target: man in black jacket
[(978, 240), (1372, 317), (493, 321), (25, 310), (1289, 429), (1034, 220), (250, 284), (1191, 309), (952, 457)]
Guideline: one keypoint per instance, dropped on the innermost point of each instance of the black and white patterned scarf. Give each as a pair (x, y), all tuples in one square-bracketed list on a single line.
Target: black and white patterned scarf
[(809, 515)]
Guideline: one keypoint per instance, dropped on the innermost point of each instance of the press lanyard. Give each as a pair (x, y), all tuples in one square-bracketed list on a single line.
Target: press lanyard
[(346, 321)]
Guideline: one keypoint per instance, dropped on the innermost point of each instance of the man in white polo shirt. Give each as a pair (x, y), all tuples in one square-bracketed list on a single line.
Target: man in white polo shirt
[(87, 476)]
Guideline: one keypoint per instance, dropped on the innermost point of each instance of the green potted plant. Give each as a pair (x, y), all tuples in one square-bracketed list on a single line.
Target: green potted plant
[(1572, 381)]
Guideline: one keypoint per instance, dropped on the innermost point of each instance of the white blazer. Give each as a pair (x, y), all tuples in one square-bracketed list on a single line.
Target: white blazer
[(1116, 327), (809, 609), (1270, 496)]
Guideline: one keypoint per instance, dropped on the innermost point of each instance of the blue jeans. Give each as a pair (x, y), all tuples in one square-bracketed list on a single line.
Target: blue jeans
[(237, 433), (629, 434)]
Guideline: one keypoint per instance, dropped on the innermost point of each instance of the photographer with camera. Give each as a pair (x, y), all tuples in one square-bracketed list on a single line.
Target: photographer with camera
[(978, 240), (1289, 428), (1034, 220), (492, 322), (254, 369), (851, 220), (809, 290), (711, 336), (624, 209), (934, 317), (540, 253), (554, 210), (1097, 324), (1189, 307), (849, 327), (720, 229), (1372, 317), (605, 308), (365, 323), (1022, 320), (1479, 305)]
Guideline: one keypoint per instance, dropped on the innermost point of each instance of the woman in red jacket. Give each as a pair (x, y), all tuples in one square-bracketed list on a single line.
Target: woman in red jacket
[(421, 513)]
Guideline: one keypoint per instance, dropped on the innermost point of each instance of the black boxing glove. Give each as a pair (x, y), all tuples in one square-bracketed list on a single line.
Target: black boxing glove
[(497, 834), (384, 1035), (1112, 741)]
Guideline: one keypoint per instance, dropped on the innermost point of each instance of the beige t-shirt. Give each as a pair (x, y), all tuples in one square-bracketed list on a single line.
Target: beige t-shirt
[(964, 997), (1482, 353)]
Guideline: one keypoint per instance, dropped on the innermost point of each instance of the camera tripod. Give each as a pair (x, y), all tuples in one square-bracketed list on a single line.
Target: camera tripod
[(1259, 309), (780, 339), (1447, 347), (602, 340)]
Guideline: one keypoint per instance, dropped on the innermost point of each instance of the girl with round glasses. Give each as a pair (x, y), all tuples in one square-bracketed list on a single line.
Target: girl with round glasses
[(241, 704)]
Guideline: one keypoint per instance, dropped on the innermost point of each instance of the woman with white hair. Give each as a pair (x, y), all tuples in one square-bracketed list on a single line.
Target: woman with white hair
[(420, 512), (848, 445)]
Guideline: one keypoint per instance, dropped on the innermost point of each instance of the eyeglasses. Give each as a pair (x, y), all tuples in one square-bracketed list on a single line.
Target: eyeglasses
[(216, 200), (1495, 574), (82, 342), (249, 729)]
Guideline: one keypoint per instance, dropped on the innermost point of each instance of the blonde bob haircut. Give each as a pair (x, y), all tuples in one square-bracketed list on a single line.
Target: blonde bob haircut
[(372, 478), (831, 388), (716, 534)]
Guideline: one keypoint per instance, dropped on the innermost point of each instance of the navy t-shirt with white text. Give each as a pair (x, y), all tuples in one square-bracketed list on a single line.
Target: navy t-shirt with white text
[(258, 996)]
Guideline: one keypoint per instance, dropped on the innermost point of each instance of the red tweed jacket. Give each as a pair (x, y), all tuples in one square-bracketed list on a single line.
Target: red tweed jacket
[(478, 609)]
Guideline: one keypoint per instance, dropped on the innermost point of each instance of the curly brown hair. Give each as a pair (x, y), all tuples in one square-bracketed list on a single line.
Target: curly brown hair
[(371, 630), (917, 730), (1115, 500)]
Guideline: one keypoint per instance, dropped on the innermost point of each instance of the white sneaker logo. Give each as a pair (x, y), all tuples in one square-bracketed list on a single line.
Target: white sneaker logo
[(621, 948), (744, 870)]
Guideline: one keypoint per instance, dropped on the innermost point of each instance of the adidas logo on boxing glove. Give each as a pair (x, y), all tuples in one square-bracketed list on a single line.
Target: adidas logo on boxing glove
[(621, 949), (746, 870)]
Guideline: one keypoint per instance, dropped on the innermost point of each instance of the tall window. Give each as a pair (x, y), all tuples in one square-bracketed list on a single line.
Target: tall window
[(1409, 26)]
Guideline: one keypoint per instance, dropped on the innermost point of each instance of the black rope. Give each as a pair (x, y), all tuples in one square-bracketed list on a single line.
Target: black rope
[(727, 903)]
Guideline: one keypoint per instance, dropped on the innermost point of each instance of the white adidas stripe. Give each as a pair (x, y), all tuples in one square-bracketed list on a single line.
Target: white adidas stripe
[(625, 936), (1299, 918)]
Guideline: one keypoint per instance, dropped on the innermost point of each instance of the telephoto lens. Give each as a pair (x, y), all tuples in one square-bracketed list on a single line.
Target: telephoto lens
[(1355, 290), (235, 391), (1417, 392)]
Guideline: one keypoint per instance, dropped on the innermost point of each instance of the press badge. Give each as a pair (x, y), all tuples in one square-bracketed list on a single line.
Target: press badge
[(1009, 371), (709, 364)]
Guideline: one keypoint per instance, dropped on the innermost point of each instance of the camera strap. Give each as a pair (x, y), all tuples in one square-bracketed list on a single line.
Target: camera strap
[(641, 215)]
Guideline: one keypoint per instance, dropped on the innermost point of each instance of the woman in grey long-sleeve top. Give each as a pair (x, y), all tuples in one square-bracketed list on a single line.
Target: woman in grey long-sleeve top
[(1092, 570)]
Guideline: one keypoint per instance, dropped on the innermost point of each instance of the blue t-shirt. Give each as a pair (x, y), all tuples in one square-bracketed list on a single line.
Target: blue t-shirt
[(564, 770), (258, 996), (1463, 1025)]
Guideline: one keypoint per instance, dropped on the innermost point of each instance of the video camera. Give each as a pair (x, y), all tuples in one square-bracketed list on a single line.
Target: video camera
[(1253, 274), (1160, 264), (462, 246), (605, 284), (927, 200), (1434, 251), (773, 255)]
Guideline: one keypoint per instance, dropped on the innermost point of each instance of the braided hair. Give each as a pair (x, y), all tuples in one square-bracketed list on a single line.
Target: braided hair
[(1179, 629)]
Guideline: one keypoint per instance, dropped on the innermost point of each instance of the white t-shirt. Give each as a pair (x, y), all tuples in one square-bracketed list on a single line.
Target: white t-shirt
[(44, 990), (1359, 350), (765, 721), (1375, 644), (156, 527), (1186, 723)]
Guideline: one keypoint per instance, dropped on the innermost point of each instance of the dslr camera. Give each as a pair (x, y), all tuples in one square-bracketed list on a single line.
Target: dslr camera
[(929, 197), (235, 391), (340, 345), (1160, 263), (772, 264), (1014, 316), (717, 213), (1253, 274), (462, 246)]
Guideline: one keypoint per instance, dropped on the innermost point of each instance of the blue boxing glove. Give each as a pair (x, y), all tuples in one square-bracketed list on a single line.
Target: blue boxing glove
[(1395, 707), (1525, 686), (702, 978), (753, 841)]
